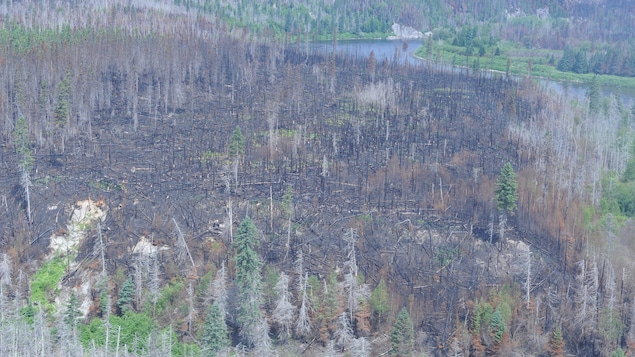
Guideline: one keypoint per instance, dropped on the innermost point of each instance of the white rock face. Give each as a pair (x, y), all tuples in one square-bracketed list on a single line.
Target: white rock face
[(405, 32), (146, 248), (84, 217), (543, 13)]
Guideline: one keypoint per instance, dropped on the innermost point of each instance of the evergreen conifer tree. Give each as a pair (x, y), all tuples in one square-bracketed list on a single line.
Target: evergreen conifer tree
[(498, 326), (594, 96), (236, 143), (379, 300), (72, 311), (556, 343), (215, 337), (248, 280), (507, 189), (566, 62), (402, 335), (61, 111), (126, 294)]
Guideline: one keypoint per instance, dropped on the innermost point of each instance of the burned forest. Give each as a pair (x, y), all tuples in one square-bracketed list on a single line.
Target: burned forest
[(182, 188)]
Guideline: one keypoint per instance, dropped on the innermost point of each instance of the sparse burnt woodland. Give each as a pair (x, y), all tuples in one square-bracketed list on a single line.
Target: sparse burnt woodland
[(357, 174)]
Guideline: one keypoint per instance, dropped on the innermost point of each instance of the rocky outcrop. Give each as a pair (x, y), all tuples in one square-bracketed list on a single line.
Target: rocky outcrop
[(406, 32)]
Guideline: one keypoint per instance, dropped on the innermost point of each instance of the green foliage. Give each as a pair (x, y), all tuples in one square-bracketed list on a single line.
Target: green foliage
[(61, 110), (482, 316), (402, 335), (565, 64), (594, 96), (135, 329), (215, 337), (287, 201), (168, 296), (72, 310), (618, 353), (330, 303), (133, 326), (45, 283), (126, 294), (624, 195), (611, 325), (271, 277), (28, 313), (237, 143), (106, 185), (379, 302), (445, 255), (556, 343), (476, 65), (629, 173), (248, 278), (507, 189), (618, 199), (497, 325), (95, 332), (581, 64), (21, 142), (103, 297)]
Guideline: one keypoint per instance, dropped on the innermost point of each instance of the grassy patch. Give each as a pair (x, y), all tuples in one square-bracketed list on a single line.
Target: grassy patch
[(519, 59), (106, 185), (209, 156), (44, 284)]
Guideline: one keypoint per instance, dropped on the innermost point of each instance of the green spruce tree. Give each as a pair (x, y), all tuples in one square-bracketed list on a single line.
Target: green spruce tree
[(72, 312), (126, 294), (556, 343), (61, 111), (594, 96), (248, 280), (237, 143), (379, 300), (402, 335), (507, 189), (565, 64), (25, 157), (497, 325), (215, 337)]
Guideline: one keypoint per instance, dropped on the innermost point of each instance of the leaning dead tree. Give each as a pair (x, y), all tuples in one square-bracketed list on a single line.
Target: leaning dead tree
[(182, 250)]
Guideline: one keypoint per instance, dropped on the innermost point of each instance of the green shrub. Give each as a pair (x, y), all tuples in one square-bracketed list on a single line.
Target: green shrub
[(45, 283)]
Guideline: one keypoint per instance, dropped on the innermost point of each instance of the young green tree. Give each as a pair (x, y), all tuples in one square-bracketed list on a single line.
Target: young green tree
[(25, 159), (215, 337), (126, 295), (497, 325), (61, 111), (248, 280), (565, 64), (236, 143), (618, 353), (507, 189), (556, 343), (506, 193), (379, 300), (236, 150), (72, 312), (402, 335), (594, 96)]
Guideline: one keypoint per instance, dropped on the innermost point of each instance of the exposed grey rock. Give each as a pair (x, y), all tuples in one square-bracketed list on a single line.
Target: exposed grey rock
[(405, 32)]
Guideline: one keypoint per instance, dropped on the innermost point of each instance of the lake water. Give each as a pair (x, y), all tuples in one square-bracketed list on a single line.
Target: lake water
[(392, 50)]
